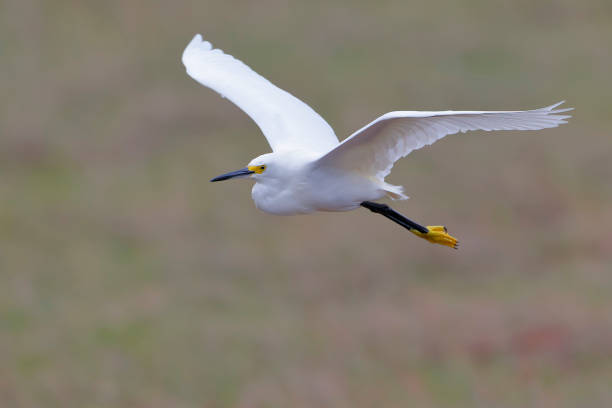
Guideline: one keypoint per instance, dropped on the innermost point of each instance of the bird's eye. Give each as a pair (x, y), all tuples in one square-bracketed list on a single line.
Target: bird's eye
[(258, 169)]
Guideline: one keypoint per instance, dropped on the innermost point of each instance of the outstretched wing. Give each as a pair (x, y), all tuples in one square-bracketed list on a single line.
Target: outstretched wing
[(286, 122), (374, 148)]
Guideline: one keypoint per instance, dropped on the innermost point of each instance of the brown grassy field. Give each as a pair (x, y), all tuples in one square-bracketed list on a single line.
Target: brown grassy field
[(128, 280)]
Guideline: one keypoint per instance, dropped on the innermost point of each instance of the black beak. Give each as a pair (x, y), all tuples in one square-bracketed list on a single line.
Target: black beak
[(238, 173)]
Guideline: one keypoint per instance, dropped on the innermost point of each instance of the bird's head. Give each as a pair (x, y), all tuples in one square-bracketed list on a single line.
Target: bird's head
[(261, 167)]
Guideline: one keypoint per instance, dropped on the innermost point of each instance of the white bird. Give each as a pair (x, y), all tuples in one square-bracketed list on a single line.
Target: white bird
[(310, 170)]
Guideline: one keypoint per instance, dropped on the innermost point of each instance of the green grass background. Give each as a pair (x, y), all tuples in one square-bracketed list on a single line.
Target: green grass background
[(128, 280)]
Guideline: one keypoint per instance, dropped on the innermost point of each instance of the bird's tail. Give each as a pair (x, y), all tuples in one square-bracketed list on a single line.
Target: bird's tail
[(394, 192)]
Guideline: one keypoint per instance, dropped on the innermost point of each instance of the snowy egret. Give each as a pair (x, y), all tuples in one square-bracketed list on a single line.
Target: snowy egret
[(310, 170)]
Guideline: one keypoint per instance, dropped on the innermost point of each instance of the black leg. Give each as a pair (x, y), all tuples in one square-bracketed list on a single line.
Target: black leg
[(393, 215)]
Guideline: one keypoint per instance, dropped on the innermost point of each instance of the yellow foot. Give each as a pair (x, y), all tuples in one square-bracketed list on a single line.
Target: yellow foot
[(438, 235)]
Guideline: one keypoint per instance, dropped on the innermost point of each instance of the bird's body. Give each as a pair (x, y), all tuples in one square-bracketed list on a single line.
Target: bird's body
[(295, 184), (310, 170)]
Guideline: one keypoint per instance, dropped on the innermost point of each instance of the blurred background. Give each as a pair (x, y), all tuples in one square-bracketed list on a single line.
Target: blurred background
[(128, 280)]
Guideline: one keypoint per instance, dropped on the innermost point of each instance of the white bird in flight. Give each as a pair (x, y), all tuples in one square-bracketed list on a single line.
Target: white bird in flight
[(310, 170)]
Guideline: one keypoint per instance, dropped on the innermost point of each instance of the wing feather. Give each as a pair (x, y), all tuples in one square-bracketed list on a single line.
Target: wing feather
[(374, 148), (286, 122)]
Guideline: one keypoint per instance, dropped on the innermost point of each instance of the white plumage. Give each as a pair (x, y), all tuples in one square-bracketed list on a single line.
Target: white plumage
[(286, 121), (309, 170), (374, 148)]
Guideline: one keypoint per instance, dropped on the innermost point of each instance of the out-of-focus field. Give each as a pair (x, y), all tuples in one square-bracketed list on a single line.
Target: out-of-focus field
[(128, 280)]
